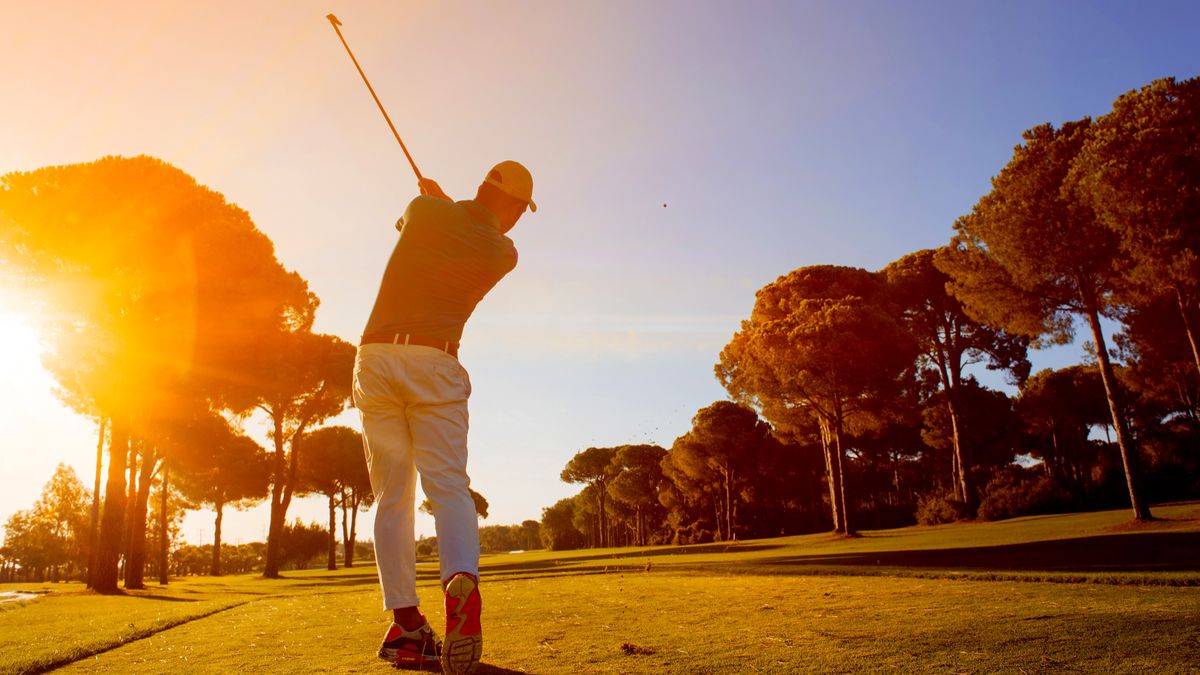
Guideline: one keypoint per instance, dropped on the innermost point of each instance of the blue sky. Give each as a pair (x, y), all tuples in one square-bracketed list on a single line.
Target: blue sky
[(777, 135)]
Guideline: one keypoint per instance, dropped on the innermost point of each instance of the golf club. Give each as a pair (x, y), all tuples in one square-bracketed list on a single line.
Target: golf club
[(334, 21)]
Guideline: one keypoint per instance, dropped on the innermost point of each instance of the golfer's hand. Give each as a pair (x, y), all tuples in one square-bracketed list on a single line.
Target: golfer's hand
[(430, 187)]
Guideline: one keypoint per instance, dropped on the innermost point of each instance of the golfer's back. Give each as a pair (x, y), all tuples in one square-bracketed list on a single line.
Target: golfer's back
[(448, 256)]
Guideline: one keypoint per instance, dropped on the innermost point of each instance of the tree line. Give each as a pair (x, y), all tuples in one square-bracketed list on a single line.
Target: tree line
[(167, 319), (50, 541), (53, 540), (853, 396)]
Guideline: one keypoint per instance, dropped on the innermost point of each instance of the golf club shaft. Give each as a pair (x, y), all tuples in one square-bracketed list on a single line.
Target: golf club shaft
[(335, 22)]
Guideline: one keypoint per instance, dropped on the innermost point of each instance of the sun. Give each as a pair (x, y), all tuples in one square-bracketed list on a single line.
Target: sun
[(20, 362)]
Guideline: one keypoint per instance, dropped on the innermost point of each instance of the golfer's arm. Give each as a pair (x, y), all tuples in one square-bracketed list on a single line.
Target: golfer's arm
[(427, 208)]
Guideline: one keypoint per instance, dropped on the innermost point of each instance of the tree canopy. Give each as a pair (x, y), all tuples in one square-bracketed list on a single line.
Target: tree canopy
[(827, 341), (948, 341), (148, 286), (1031, 256)]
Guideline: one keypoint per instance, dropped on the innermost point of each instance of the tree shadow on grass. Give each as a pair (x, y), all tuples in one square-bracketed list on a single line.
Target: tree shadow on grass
[(1143, 552), (147, 595), (491, 565), (327, 582)]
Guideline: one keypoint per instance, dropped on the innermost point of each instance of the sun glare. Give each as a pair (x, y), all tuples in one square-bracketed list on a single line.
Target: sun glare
[(20, 364)]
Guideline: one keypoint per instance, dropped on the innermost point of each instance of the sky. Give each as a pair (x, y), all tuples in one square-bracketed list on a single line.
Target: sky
[(684, 154)]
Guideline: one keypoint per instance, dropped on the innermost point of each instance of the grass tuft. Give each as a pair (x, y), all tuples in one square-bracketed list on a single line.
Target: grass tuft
[(634, 650)]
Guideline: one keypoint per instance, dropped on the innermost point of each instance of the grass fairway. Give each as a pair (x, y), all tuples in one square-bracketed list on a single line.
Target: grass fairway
[(1128, 601)]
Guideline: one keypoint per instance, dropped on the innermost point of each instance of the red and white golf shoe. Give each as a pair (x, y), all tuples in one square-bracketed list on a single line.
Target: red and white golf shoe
[(463, 645)]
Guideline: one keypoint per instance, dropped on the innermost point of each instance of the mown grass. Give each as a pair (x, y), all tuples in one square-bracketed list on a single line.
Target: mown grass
[(66, 622), (911, 599), (672, 623)]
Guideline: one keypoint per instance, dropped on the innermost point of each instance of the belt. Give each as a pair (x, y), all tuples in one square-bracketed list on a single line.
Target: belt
[(450, 348)]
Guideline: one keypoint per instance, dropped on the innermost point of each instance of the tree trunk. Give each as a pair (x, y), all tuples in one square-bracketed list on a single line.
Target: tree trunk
[(271, 568), (641, 532), (837, 430), (345, 529), (1187, 327), (604, 540), (219, 507), (1054, 447), (953, 474), (135, 562), (274, 532), (92, 533), (894, 456), (332, 563), (355, 500), (962, 485), (164, 543), (130, 501), (112, 522), (729, 507), (831, 474), (1112, 390), (719, 517), (289, 488), (949, 386)]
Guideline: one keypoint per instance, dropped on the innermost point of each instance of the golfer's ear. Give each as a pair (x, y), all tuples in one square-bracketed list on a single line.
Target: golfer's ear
[(400, 224)]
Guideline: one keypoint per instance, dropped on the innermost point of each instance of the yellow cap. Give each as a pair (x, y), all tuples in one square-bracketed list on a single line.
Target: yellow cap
[(514, 180)]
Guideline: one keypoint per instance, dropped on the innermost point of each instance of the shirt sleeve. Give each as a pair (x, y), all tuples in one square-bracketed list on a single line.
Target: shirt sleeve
[(406, 216), (512, 256), (428, 208)]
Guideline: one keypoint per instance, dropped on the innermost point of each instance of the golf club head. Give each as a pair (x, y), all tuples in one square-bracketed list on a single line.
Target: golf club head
[(333, 20)]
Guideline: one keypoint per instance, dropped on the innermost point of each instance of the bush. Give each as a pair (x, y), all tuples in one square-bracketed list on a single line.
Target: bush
[(366, 551), (300, 544), (939, 507), (884, 516), (693, 534), (1011, 494)]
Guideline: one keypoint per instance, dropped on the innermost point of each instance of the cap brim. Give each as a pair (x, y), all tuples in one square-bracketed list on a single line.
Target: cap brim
[(489, 181)]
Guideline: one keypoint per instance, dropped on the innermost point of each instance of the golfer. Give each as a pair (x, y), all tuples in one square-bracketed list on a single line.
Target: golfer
[(412, 394)]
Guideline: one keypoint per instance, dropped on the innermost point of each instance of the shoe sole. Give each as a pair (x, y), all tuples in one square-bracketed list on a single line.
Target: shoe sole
[(461, 653), (461, 656)]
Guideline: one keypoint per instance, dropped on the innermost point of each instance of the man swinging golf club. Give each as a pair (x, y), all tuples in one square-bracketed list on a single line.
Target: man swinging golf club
[(412, 394)]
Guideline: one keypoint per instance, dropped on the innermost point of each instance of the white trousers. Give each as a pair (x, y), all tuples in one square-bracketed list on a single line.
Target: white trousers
[(413, 402)]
